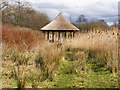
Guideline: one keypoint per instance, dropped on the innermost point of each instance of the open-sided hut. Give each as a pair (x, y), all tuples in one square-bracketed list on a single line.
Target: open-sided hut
[(59, 29)]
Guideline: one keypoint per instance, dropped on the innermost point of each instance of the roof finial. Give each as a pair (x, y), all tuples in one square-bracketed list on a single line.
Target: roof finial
[(60, 12)]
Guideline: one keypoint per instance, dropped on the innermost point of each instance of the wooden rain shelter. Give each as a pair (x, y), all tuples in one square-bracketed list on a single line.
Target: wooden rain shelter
[(59, 29)]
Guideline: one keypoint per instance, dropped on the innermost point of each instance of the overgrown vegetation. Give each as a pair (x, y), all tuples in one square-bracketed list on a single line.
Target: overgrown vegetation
[(88, 62)]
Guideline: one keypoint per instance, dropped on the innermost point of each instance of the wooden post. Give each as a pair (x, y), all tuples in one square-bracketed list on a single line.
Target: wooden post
[(50, 35), (47, 32), (57, 36), (54, 36), (73, 33), (60, 36), (46, 35), (72, 36), (67, 35)]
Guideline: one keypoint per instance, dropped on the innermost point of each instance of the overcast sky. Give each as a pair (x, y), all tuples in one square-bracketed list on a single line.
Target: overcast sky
[(92, 9)]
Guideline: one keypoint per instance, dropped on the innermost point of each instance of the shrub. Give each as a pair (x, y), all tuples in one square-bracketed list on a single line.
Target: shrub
[(48, 61), (22, 39), (21, 78)]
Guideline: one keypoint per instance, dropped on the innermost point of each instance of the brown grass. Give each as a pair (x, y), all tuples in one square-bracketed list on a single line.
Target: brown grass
[(21, 38)]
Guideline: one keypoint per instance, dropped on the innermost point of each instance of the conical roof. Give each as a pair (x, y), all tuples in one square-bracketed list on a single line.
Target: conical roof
[(59, 23)]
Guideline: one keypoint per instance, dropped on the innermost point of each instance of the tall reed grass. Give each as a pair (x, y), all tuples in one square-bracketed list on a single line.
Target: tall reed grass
[(103, 44)]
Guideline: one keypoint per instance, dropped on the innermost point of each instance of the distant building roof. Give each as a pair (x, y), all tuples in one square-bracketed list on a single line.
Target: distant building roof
[(59, 23)]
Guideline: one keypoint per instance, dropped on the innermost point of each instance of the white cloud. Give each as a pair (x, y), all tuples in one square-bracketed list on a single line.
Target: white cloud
[(95, 9), (110, 23)]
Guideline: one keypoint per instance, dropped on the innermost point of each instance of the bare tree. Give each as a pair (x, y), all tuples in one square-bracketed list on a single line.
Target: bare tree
[(23, 15)]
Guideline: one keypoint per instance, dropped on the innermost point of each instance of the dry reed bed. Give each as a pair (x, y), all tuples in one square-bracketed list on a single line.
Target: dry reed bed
[(96, 40)]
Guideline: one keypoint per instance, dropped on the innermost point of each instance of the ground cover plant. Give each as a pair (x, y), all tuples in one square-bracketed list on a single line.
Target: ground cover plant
[(89, 61)]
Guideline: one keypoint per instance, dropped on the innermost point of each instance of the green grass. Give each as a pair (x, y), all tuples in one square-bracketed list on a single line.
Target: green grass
[(91, 80), (96, 75)]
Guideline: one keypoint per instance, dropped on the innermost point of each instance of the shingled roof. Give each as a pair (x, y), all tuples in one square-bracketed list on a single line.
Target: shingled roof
[(59, 23)]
